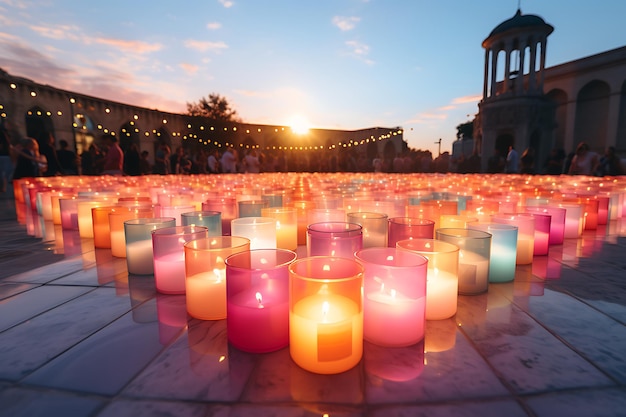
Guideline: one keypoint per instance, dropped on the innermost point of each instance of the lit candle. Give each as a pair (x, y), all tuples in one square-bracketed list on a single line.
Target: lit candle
[(286, 226), (205, 272), (138, 235), (395, 296), (442, 283), (503, 250), (257, 287), (260, 230), (326, 317), (334, 239)]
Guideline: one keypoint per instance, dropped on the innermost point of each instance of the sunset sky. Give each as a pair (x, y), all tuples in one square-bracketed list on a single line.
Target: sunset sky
[(337, 64)]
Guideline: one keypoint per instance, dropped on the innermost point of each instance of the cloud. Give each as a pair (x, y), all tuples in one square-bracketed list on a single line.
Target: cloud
[(467, 99), (227, 3), (189, 68), (203, 46), (213, 25), (139, 47), (346, 23), (360, 50), (61, 32)]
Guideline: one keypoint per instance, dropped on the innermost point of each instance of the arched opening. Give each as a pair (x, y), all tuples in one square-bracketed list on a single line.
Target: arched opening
[(620, 141), (503, 141), (83, 132), (39, 124), (592, 112), (559, 98), (129, 135)]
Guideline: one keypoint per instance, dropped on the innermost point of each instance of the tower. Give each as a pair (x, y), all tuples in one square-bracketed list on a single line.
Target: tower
[(514, 109)]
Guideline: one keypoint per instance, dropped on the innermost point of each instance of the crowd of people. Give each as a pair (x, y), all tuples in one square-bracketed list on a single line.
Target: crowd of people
[(39, 157)]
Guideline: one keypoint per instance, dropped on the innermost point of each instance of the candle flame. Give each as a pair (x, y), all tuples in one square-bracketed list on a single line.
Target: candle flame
[(222, 358), (218, 276), (326, 268), (393, 293), (259, 298), (390, 258), (325, 307)]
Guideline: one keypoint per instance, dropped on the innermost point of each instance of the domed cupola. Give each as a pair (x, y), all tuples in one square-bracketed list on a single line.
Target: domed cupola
[(515, 55)]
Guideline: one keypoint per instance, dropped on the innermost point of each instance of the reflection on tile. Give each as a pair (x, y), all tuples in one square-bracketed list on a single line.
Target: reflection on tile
[(105, 362), (48, 273), (8, 289), (528, 357), (499, 408), (138, 408), (28, 304), (198, 366), (596, 336), (582, 403), (20, 402), (27, 346)]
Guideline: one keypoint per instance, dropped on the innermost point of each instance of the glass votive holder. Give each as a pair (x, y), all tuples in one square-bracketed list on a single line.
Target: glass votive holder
[(525, 234), (557, 221), (85, 220), (176, 212), (453, 221), (68, 208), (251, 208), (273, 199), (326, 313), (169, 256), (340, 239), (322, 215), (212, 220), (573, 220), (138, 235), (286, 226), (260, 230), (375, 229), (402, 228), (116, 225), (542, 231), (474, 254), (205, 274), (227, 206), (442, 282), (394, 302), (101, 229), (302, 207), (257, 288), (503, 250)]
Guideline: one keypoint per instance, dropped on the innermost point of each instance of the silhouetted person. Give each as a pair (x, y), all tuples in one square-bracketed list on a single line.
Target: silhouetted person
[(46, 148), (144, 164), (554, 162), (584, 161), (67, 159), (132, 164), (610, 164)]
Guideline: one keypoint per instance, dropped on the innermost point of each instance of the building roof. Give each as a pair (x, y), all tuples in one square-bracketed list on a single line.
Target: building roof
[(521, 21)]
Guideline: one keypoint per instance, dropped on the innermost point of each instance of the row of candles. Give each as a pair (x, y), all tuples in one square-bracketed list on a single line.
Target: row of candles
[(375, 268)]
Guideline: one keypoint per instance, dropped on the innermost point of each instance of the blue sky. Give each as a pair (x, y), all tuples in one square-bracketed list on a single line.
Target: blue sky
[(338, 64)]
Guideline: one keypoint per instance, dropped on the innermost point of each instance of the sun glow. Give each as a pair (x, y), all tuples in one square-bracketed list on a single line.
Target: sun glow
[(299, 125)]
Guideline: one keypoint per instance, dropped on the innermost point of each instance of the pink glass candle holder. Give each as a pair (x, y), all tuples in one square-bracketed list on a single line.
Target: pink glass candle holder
[(557, 221), (138, 236), (542, 232), (257, 287), (574, 220), (525, 234), (474, 254), (205, 274), (176, 212), (503, 250), (442, 282), (169, 256), (324, 215), (212, 220), (375, 229), (394, 306), (286, 226), (402, 228), (260, 230), (227, 206), (334, 239), (326, 313)]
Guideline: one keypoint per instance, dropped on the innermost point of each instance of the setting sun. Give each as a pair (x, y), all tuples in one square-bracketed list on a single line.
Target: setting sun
[(299, 125)]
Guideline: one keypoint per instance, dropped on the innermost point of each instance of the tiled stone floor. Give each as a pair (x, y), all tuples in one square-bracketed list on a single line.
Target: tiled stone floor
[(80, 337)]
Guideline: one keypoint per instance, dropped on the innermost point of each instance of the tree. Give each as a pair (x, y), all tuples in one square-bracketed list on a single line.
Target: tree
[(465, 130), (214, 107)]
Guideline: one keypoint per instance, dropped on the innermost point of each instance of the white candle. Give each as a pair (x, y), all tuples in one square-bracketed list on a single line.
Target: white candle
[(206, 294), (442, 290), (392, 319), (139, 257), (473, 273), (326, 333), (169, 273)]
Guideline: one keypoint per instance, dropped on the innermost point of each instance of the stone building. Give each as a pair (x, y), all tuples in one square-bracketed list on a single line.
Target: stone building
[(36, 110), (527, 105)]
